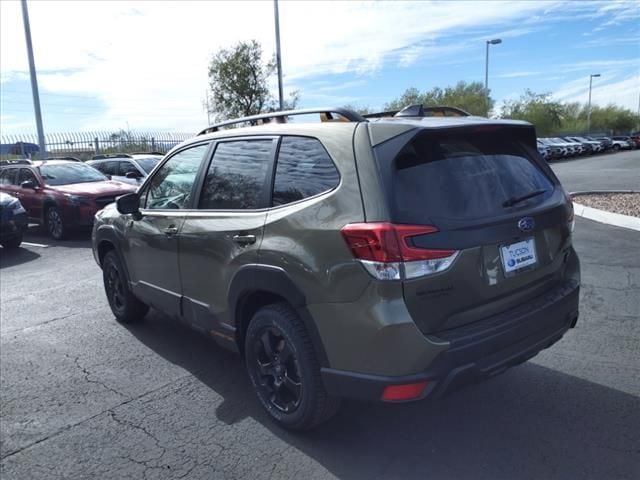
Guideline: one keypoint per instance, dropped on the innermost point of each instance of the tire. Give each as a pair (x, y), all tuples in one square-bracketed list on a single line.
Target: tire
[(54, 223), (287, 379), (616, 147), (14, 242), (124, 305)]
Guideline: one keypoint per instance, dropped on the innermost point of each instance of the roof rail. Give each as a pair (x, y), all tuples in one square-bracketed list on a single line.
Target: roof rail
[(146, 153), (17, 161), (73, 159), (422, 111), (345, 113), (103, 156)]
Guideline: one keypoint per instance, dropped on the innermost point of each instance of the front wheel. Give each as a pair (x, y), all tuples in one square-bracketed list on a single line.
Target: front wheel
[(616, 147), (124, 305), (55, 225), (284, 370)]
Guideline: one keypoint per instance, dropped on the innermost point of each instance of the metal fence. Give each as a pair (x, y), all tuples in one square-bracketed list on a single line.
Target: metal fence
[(86, 144)]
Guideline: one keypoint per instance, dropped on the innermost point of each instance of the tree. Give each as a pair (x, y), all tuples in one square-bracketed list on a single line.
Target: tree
[(467, 96), (238, 78), (537, 108)]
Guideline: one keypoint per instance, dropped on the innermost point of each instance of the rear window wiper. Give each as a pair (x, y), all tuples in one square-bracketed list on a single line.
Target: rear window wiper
[(513, 200)]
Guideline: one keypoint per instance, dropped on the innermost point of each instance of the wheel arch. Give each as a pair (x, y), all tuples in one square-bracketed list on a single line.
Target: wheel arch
[(256, 286)]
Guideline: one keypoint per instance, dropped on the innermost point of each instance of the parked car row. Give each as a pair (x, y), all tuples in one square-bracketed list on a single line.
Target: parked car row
[(564, 147)]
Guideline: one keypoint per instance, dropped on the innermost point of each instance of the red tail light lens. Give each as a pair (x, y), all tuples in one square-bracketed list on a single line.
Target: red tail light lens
[(409, 391), (386, 251), (386, 242)]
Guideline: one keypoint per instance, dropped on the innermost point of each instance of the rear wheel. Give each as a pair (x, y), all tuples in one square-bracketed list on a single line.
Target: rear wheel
[(13, 242), (55, 225), (124, 305), (284, 370), (616, 147)]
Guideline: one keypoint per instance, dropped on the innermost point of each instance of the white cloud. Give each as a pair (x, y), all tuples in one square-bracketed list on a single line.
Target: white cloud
[(147, 61), (623, 92)]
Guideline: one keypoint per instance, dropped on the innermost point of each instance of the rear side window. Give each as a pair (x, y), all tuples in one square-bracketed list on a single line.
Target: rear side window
[(304, 169), (237, 175), (463, 176), (9, 176)]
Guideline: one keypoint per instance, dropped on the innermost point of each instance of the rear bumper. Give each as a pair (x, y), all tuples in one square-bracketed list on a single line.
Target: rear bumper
[(477, 351)]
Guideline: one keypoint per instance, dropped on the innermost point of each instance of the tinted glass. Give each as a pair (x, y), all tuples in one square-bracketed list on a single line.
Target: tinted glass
[(462, 177), (237, 175), (9, 177), (172, 184), (125, 166), (147, 164), (108, 168), (26, 175), (304, 169), (68, 173)]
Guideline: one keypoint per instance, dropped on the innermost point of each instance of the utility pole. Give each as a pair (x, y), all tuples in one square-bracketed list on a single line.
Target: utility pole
[(34, 81), (495, 41), (278, 56), (206, 99), (589, 107)]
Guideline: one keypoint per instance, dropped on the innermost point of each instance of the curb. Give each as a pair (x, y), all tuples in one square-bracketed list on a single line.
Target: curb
[(602, 216)]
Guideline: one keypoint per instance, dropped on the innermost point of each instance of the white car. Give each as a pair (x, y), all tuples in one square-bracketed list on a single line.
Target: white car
[(126, 168)]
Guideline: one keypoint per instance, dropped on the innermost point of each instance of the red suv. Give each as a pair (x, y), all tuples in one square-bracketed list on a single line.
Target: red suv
[(60, 194)]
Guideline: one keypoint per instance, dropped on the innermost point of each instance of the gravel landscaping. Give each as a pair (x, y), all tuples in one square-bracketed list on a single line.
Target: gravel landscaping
[(623, 203)]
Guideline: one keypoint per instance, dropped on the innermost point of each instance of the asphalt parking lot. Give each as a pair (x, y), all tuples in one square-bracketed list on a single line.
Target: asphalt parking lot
[(611, 171), (84, 397)]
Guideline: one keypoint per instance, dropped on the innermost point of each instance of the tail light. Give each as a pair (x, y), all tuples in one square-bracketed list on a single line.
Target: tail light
[(571, 222), (385, 251)]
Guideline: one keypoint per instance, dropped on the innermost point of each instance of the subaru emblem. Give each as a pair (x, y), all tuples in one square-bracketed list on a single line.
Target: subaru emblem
[(526, 224)]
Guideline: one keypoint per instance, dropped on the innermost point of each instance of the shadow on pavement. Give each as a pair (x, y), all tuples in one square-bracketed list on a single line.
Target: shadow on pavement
[(531, 422), (75, 239), (10, 257)]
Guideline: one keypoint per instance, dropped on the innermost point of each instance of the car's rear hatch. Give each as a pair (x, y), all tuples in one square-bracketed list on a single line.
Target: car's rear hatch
[(498, 212)]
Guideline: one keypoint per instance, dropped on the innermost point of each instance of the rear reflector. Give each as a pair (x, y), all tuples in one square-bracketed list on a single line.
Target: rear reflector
[(408, 391), (386, 251)]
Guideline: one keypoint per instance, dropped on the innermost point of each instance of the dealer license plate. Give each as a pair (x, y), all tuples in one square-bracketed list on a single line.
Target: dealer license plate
[(518, 255)]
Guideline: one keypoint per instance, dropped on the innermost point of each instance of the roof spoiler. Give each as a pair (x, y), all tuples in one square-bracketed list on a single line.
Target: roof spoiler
[(420, 111)]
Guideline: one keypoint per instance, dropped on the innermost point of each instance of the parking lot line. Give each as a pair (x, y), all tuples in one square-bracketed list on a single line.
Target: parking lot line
[(29, 244)]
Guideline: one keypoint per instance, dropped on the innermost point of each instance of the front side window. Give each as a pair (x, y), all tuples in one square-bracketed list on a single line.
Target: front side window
[(237, 175), (125, 167), (70, 173), (171, 186), (304, 169), (27, 175)]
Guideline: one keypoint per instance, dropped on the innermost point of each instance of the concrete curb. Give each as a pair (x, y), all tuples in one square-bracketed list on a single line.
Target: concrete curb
[(602, 216)]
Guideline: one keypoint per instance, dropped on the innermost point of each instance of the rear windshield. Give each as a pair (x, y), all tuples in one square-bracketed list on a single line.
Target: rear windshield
[(463, 176)]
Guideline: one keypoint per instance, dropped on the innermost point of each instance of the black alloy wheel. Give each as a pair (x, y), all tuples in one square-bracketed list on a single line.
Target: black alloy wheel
[(278, 370), (124, 305), (284, 370)]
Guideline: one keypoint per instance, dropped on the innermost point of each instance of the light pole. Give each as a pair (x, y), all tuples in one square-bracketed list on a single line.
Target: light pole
[(495, 41), (34, 81), (589, 107), (278, 56)]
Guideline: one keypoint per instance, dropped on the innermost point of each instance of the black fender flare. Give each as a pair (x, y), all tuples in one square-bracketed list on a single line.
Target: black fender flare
[(271, 279), (107, 233)]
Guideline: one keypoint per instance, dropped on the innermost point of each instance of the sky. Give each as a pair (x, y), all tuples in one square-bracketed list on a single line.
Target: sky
[(142, 66)]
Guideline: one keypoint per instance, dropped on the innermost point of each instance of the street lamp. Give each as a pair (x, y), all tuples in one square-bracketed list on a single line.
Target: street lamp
[(495, 41), (589, 107)]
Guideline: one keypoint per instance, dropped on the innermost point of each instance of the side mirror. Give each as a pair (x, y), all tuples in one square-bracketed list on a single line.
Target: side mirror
[(129, 204), (133, 174), (28, 184)]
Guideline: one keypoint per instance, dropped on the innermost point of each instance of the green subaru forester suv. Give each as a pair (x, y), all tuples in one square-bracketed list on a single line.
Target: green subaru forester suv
[(385, 259)]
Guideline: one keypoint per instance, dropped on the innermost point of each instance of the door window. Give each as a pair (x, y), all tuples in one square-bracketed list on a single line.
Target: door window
[(171, 186), (9, 177), (125, 167), (27, 175), (237, 175), (108, 168), (304, 169)]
